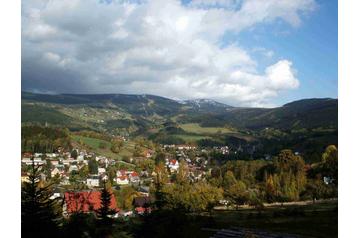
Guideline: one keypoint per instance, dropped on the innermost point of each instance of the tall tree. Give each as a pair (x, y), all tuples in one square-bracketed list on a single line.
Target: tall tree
[(40, 215), (105, 212)]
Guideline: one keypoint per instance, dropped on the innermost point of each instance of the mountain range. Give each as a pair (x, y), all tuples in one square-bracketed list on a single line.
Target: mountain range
[(308, 122)]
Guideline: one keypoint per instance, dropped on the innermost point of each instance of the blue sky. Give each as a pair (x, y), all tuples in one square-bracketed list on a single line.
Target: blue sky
[(239, 52), (312, 47)]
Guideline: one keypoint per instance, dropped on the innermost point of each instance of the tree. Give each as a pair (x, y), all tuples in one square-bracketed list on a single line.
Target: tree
[(330, 163), (160, 180), (116, 146), (159, 158), (237, 193), (102, 145), (195, 197), (74, 154), (105, 212), (40, 215), (125, 197), (92, 166), (83, 172), (183, 172), (289, 176), (228, 180)]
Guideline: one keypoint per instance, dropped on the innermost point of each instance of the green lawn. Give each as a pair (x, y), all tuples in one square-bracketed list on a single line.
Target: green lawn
[(94, 144), (192, 138), (196, 128)]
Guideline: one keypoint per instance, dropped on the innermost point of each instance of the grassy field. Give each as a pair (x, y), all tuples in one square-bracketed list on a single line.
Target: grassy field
[(95, 145), (192, 138), (196, 128), (314, 220)]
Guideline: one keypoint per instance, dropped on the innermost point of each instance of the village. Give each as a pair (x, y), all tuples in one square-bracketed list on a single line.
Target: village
[(78, 175)]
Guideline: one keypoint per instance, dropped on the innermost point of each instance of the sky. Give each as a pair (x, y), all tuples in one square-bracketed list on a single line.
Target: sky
[(259, 53)]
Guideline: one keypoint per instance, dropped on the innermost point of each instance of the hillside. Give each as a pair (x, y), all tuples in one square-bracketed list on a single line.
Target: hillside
[(307, 113), (304, 125)]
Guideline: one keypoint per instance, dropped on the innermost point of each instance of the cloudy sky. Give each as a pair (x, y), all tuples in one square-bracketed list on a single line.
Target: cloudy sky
[(240, 52)]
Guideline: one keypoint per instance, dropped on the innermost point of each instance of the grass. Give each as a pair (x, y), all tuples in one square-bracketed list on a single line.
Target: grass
[(94, 144), (192, 138), (196, 128)]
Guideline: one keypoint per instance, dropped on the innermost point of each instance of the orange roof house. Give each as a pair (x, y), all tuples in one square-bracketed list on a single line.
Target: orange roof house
[(85, 201)]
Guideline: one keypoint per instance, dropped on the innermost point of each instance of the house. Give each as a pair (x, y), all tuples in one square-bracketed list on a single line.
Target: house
[(134, 177), (122, 180), (173, 165), (101, 171), (73, 168), (186, 147), (142, 205), (37, 154), (51, 155), (80, 157), (92, 181), (54, 162), (126, 213), (56, 194), (84, 201), (37, 161)]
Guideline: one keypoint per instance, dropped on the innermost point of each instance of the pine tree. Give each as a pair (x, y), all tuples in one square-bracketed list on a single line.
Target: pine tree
[(104, 213), (40, 215)]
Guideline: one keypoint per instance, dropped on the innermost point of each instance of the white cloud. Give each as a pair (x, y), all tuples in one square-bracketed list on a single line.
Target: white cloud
[(159, 47)]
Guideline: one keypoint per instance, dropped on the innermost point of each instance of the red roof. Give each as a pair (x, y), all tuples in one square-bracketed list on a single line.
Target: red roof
[(27, 154), (86, 201), (123, 177), (134, 174), (173, 161), (140, 209)]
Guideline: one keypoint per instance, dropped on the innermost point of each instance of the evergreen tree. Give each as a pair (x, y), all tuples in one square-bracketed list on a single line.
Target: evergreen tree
[(104, 213), (40, 215)]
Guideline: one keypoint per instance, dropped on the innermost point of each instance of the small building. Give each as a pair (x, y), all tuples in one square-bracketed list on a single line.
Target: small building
[(134, 177), (173, 165), (122, 180), (73, 168), (142, 205), (101, 171), (92, 181)]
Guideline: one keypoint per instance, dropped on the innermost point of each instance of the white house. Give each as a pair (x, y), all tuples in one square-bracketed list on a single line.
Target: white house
[(92, 181), (173, 165), (54, 162), (101, 171), (134, 177), (122, 180), (73, 168)]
